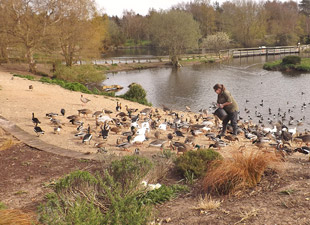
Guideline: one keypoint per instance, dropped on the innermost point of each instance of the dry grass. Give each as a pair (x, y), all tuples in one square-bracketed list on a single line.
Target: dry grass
[(207, 203), (243, 170), (15, 216), (6, 144)]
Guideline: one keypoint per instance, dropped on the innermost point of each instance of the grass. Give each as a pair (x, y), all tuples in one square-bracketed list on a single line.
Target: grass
[(8, 143), (15, 216), (243, 170), (304, 66), (207, 203)]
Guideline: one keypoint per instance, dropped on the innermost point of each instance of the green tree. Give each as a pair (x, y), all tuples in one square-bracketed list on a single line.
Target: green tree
[(175, 31), (217, 41)]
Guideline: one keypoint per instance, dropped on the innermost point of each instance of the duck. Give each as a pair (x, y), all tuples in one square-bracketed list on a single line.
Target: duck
[(157, 143), (38, 130), (105, 131), (303, 138), (231, 137), (130, 110), (98, 113), (57, 129), (130, 133), (116, 129), (261, 142), (180, 147), (146, 111), (125, 145), (304, 150), (35, 120), (84, 100)]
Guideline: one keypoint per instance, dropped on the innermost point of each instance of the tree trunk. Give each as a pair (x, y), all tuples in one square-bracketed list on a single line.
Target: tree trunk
[(31, 62), (175, 61), (4, 55)]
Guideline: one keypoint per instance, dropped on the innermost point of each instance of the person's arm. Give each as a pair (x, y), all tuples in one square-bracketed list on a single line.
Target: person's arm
[(228, 101)]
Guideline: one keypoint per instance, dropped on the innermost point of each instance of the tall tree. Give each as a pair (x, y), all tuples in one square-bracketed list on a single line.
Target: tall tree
[(27, 22), (175, 31)]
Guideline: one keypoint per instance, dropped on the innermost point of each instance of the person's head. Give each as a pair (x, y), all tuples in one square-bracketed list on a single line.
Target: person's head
[(219, 88)]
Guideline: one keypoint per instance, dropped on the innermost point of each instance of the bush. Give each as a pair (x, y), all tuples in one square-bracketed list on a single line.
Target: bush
[(136, 94), (82, 74), (196, 162), (291, 59), (243, 170), (130, 171)]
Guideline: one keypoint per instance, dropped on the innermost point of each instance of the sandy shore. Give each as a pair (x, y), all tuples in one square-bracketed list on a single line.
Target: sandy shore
[(18, 103)]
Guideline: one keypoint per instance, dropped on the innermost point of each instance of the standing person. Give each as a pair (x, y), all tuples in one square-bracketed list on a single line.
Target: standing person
[(226, 101)]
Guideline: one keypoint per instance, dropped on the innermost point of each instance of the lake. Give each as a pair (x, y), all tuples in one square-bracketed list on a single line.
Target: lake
[(254, 88)]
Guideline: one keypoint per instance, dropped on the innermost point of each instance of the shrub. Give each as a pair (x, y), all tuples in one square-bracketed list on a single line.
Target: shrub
[(196, 162), (243, 170), (162, 194), (130, 170), (82, 74), (136, 94), (29, 77), (291, 59)]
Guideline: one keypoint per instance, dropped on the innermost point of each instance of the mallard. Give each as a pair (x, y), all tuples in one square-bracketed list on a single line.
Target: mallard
[(116, 130), (57, 129), (157, 143), (180, 147), (231, 137), (125, 145)]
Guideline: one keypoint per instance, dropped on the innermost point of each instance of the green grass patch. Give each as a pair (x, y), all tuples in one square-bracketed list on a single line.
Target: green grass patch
[(195, 163), (2, 206), (28, 77), (290, 64)]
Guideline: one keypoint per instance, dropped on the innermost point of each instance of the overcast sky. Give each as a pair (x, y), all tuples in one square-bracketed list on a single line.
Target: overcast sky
[(116, 7)]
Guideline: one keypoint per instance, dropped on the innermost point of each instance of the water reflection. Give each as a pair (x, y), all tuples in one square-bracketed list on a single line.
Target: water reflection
[(244, 78)]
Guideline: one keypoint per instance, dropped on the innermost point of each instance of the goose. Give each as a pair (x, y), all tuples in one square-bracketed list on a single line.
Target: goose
[(118, 107), (98, 113), (87, 137), (105, 131), (130, 110), (84, 100), (139, 138), (38, 130), (162, 126), (51, 114), (121, 114), (130, 133), (35, 120), (84, 111), (63, 112), (104, 119), (146, 111)]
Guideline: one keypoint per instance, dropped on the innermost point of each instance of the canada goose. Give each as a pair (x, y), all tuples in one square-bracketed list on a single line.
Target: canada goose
[(63, 112), (87, 137), (35, 120), (118, 107), (38, 130), (84, 100)]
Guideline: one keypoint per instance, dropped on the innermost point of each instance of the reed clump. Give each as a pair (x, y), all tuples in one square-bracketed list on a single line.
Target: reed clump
[(243, 170)]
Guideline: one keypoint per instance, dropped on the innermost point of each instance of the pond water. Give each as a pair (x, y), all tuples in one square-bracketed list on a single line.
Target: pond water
[(254, 89)]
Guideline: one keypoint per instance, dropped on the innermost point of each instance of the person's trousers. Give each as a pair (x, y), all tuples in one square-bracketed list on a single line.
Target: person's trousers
[(233, 118)]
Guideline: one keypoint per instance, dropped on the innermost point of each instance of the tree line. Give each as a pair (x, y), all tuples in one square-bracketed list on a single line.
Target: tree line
[(73, 30)]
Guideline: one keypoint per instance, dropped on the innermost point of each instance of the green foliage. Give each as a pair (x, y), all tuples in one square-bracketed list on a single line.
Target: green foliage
[(2, 206), (82, 74), (136, 94), (130, 170), (304, 65), (196, 162), (28, 77), (291, 59), (74, 179), (74, 86), (162, 194)]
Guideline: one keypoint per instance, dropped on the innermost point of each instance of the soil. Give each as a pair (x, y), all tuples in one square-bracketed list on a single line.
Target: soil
[(282, 197)]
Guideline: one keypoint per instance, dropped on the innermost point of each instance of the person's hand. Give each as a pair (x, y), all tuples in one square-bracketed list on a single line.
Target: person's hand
[(220, 106)]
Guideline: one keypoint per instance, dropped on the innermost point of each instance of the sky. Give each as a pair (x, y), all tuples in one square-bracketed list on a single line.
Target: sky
[(116, 7)]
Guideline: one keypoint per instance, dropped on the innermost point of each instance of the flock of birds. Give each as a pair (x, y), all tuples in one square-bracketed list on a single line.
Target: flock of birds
[(180, 131)]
